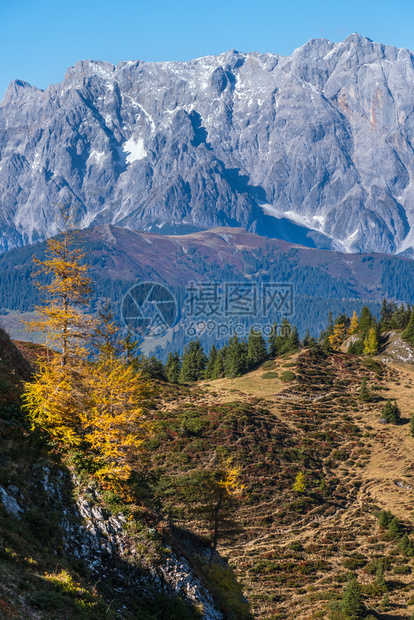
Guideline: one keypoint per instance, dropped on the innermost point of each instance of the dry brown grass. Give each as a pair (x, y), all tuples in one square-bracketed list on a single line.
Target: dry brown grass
[(381, 456)]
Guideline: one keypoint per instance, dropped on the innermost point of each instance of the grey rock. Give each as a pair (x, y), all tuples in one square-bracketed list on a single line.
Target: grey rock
[(10, 504), (314, 148), (103, 540), (97, 513)]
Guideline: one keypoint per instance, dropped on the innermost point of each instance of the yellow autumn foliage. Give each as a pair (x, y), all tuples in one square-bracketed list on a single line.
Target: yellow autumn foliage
[(353, 328), (94, 402), (299, 485), (229, 479), (114, 430), (60, 316), (52, 401), (338, 336), (371, 343)]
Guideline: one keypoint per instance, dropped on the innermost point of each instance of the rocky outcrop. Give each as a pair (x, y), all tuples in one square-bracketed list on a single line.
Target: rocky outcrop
[(10, 502), (109, 545), (395, 350), (104, 542)]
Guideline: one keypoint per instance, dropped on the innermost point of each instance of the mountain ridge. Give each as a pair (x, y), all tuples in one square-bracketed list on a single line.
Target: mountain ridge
[(313, 147), (118, 259)]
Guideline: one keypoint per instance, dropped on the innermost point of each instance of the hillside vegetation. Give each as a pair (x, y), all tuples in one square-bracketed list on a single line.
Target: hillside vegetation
[(290, 550), (267, 479)]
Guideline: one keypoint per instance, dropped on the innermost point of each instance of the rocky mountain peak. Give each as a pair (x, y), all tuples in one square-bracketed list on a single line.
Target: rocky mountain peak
[(313, 148)]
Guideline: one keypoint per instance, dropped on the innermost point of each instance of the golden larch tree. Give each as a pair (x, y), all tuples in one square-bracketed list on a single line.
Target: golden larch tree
[(353, 327), (300, 483), (113, 418), (338, 336), (213, 495), (371, 342), (55, 397)]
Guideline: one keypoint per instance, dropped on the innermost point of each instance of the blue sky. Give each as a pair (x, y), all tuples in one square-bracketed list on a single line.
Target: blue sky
[(39, 38)]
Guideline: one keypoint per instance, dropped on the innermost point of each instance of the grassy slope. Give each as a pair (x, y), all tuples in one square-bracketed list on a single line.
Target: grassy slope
[(294, 550)]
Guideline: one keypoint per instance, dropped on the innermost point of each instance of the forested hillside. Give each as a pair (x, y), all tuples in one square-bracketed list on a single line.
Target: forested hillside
[(120, 258)]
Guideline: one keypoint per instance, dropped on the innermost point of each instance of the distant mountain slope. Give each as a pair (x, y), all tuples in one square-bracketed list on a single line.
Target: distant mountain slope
[(122, 255), (120, 258), (314, 148)]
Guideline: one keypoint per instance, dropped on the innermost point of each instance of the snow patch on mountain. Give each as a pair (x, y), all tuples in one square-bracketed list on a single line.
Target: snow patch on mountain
[(134, 150)]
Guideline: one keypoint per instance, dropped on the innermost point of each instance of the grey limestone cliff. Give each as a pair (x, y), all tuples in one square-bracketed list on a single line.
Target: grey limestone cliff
[(314, 148)]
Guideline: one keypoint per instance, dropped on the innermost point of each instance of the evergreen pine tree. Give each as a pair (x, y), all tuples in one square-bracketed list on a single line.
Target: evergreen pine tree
[(406, 546), (385, 603), (365, 320), (211, 362), (386, 411), (363, 391), (218, 369), (324, 341), (193, 362), (394, 528), (293, 341), (385, 518), (281, 342), (391, 412), (401, 317), (352, 602), (324, 338), (152, 367), (173, 367), (396, 414), (386, 315), (273, 342), (379, 576), (356, 348), (308, 341), (285, 330), (406, 316), (330, 326), (235, 362), (130, 350), (256, 349), (408, 333)]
